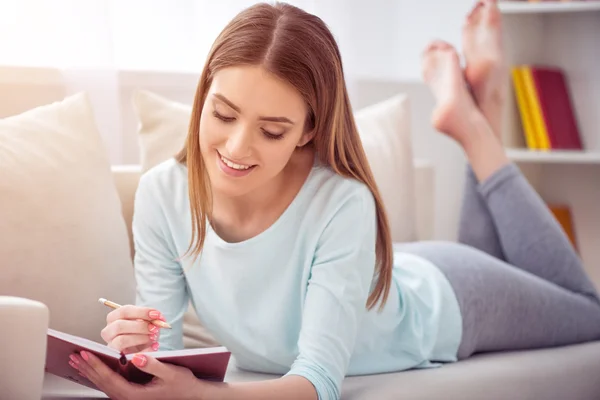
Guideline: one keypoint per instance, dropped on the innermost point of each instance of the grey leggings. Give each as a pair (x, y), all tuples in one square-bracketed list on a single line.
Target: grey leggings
[(519, 282)]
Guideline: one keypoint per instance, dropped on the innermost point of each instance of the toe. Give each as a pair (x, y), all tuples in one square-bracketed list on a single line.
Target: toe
[(474, 16), (439, 44), (442, 45), (434, 45), (492, 12)]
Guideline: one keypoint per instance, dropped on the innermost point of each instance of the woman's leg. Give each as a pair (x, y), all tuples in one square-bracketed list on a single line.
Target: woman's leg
[(486, 75), (551, 300), (505, 308), (476, 227), (503, 215)]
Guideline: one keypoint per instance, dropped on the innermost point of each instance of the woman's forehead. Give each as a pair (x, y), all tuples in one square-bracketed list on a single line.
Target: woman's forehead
[(256, 91)]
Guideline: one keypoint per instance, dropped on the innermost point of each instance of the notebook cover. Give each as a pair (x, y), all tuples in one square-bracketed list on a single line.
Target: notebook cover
[(207, 363)]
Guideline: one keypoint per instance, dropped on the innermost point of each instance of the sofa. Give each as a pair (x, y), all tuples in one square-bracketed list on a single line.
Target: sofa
[(65, 221), (569, 372), (566, 373)]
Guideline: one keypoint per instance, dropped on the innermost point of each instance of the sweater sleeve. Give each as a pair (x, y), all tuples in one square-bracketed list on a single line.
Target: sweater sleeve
[(338, 288), (161, 283)]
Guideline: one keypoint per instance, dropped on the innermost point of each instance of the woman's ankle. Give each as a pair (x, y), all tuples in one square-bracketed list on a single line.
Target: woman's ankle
[(484, 150)]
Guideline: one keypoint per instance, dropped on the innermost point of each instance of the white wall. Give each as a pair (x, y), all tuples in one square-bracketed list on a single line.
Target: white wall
[(381, 42), (383, 39)]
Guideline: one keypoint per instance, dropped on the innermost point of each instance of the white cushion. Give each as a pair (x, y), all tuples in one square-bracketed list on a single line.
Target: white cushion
[(64, 241), (163, 127), (385, 133), (384, 129)]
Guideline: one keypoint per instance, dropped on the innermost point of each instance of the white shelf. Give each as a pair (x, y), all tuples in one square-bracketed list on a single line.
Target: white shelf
[(525, 7), (554, 156)]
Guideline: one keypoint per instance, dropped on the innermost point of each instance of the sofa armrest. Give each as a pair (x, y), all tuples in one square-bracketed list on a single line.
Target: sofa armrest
[(425, 198), (126, 179)]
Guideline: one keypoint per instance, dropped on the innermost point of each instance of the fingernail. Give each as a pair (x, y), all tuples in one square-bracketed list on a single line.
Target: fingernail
[(139, 360), (155, 346), (153, 337), (84, 355), (152, 327), (154, 314), (72, 364), (74, 359)]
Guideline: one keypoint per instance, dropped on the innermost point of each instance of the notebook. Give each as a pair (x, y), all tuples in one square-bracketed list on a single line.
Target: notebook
[(207, 363)]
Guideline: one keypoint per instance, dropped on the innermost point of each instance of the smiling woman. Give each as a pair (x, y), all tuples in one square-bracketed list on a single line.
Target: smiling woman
[(237, 132), (270, 222)]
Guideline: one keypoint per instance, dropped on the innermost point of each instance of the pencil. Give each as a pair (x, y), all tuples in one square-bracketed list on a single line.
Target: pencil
[(113, 305)]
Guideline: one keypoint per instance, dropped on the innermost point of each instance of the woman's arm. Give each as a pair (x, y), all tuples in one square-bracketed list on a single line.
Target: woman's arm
[(159, 277), (287, 387), (336, 297)]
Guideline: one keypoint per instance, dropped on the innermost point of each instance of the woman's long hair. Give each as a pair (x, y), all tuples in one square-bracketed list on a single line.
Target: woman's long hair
[(299, 48)]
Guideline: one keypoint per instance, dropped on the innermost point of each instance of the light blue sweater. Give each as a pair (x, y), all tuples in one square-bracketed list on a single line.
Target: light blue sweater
[(292, 299)]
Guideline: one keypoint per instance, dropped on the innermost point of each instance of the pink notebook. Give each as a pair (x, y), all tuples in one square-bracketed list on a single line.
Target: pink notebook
[(208, 363)]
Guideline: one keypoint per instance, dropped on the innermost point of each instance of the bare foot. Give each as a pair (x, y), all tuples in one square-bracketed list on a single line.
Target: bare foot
[(486, 70), (455, 105), (456, 113)]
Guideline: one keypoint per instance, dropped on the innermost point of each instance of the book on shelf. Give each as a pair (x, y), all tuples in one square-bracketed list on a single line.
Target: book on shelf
[(546, 108), (546, 1), (563, 215), (205, 363)]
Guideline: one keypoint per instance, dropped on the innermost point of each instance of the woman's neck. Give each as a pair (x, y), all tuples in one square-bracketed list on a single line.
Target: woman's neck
[(236, 219)]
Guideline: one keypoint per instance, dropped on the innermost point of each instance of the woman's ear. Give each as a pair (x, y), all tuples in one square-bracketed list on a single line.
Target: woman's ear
[(306, 137)]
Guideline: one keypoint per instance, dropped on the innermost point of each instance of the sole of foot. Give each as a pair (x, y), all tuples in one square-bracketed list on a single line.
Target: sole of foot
[(455, 107)]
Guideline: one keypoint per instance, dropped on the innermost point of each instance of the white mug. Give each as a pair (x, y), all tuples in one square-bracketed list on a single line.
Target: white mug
[(23, 348)]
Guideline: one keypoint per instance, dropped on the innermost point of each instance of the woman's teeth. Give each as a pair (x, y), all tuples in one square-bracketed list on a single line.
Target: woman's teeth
[(234, 165)]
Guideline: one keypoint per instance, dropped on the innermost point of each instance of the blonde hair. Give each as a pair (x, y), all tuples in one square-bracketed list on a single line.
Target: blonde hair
[(299, 48)]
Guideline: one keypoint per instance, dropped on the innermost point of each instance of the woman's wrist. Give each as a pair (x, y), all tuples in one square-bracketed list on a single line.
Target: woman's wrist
[(206, 390)]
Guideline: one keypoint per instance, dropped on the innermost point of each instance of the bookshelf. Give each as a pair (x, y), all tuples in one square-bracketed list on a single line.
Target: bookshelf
[(524, 7), (562, 34), (555, 156)]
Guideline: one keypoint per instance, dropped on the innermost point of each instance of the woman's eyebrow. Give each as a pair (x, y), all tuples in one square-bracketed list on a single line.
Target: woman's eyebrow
[(236, 108)]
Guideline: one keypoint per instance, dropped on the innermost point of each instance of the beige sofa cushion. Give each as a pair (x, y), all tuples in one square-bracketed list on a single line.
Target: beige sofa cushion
[(63, 237), (385, 131)]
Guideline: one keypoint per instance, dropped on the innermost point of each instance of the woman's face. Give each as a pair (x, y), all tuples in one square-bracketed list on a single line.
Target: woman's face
[(250, 125)]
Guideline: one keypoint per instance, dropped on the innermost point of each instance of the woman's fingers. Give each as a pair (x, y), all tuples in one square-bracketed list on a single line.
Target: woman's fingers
[(134, 312), (127, 327), (123, 342)]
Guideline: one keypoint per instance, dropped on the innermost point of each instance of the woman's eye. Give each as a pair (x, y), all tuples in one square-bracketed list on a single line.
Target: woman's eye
[(222, 117), (268, 135), (272, 136)]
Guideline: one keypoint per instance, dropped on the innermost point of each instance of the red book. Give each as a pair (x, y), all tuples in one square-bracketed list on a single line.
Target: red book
[(208, 363), (557, 108)]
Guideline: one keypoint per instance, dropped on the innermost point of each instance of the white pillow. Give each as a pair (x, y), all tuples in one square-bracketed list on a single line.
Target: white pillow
[(64, 241), (384, 130), (163, 127)]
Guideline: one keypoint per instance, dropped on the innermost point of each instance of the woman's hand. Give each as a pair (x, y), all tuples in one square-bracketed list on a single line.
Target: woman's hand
[(169, 382), (128, 329)]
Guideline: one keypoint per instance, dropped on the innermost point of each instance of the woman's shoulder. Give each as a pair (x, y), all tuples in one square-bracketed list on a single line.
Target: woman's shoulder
[(164, 187), (332, 191), (332, 185)]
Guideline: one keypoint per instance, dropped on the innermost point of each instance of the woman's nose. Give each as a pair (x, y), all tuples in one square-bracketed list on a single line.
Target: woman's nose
[(239, 144)]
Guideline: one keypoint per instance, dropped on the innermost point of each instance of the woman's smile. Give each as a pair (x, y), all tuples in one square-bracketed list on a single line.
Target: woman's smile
[(231, 168)]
